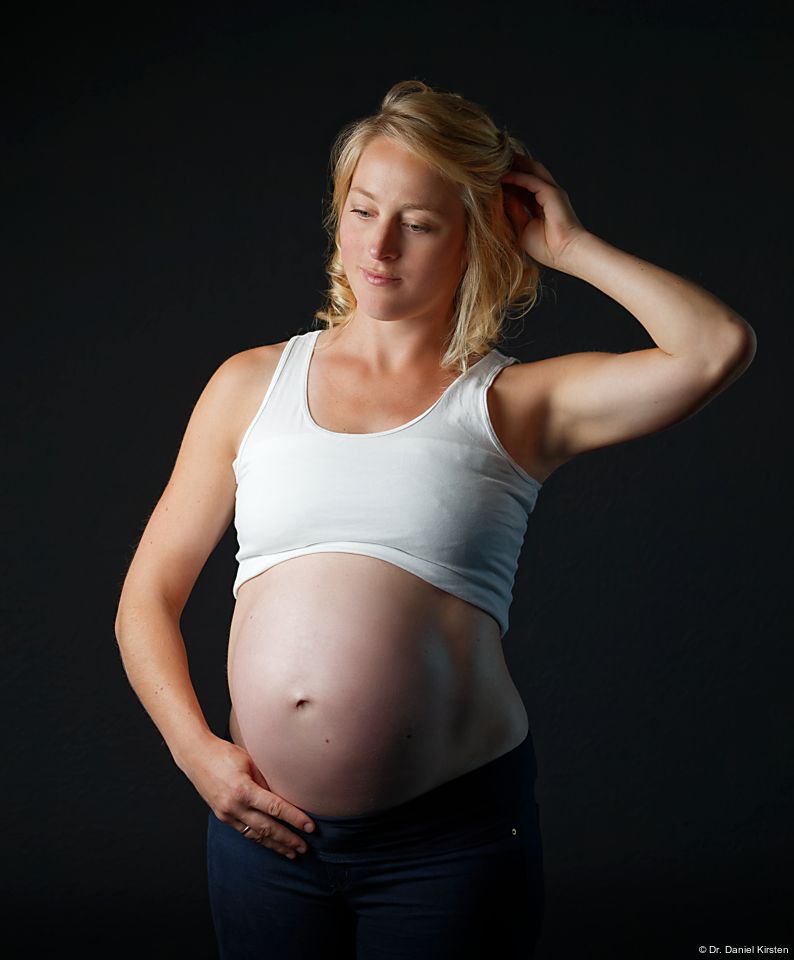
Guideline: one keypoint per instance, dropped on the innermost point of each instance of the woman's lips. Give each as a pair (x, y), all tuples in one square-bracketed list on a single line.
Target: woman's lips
[(377, 281)]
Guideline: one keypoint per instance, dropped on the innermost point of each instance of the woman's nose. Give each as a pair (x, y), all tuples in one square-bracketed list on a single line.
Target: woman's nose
[(383, 242)]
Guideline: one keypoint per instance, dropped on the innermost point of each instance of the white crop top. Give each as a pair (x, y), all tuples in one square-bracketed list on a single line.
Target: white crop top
[(438, 496)]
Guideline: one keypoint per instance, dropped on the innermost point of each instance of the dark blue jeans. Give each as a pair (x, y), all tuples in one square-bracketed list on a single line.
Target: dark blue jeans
[(453, 874)]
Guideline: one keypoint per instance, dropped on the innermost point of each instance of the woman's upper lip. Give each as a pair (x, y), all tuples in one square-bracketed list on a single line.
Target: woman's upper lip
[(386, 276)]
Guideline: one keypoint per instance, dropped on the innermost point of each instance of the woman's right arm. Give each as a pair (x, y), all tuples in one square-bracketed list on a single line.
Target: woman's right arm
[(184, 528), (191, 516)]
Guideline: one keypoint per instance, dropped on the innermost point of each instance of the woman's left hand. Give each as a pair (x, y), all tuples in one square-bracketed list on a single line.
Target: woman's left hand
[(550, 226)]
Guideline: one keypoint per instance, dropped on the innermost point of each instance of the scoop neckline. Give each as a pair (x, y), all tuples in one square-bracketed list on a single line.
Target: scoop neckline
[(378, 433)]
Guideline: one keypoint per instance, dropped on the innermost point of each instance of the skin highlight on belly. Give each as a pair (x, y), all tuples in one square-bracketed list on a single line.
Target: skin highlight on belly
[(356, 686)]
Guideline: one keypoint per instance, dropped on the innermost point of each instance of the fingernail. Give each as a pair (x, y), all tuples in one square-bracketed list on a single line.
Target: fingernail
[(308, 827)]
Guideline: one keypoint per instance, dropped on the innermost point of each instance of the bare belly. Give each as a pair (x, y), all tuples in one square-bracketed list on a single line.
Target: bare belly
[(356, 686)]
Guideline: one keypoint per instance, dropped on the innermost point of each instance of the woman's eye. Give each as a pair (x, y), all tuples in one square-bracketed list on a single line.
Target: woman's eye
[(419, 227)]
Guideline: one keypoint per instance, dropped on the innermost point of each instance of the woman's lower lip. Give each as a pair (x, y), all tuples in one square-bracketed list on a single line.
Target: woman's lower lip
[(379, 281)]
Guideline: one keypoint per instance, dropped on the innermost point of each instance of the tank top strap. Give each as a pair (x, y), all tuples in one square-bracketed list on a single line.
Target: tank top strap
[(469, 401), (491, 364), (280, 407), (284, 408)]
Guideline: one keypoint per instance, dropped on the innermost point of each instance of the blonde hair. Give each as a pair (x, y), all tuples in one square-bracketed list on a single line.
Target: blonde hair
[(458, 139)]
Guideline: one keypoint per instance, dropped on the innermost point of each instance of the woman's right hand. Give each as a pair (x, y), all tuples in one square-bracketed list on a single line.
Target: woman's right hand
[(229, 781)]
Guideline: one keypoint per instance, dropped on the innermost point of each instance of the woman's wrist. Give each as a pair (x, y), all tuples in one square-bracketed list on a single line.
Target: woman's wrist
[(188, 747)]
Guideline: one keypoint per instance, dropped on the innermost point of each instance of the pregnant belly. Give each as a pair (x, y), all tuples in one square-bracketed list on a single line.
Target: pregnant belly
[(356, 685)]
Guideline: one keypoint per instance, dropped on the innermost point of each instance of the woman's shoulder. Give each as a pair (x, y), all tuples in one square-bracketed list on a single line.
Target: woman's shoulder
[(247, 368), (242, 380), (256, 356)]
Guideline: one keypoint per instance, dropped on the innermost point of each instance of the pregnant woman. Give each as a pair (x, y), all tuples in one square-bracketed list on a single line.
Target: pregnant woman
[(374, 794)]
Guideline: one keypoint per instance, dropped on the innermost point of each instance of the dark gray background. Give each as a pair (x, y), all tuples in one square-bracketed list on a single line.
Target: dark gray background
[(163, 186)]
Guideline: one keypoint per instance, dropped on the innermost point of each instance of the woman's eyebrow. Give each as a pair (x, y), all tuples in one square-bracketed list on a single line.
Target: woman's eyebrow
[(406, 206)]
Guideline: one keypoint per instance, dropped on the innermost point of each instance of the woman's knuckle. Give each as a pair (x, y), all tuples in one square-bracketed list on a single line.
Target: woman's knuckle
[(225, 810), (239, 792)]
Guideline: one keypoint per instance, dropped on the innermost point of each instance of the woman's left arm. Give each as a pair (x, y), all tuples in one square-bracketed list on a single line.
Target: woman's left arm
[(594, 398)]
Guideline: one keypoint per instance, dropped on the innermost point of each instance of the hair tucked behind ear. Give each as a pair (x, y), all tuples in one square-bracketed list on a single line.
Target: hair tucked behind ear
[(460, 141)]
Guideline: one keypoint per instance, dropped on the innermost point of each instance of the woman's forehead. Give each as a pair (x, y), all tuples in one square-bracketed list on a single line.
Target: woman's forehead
[(387, 171)]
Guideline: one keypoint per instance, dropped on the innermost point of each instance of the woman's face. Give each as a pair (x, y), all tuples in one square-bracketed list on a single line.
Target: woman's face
[(388, 232)]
